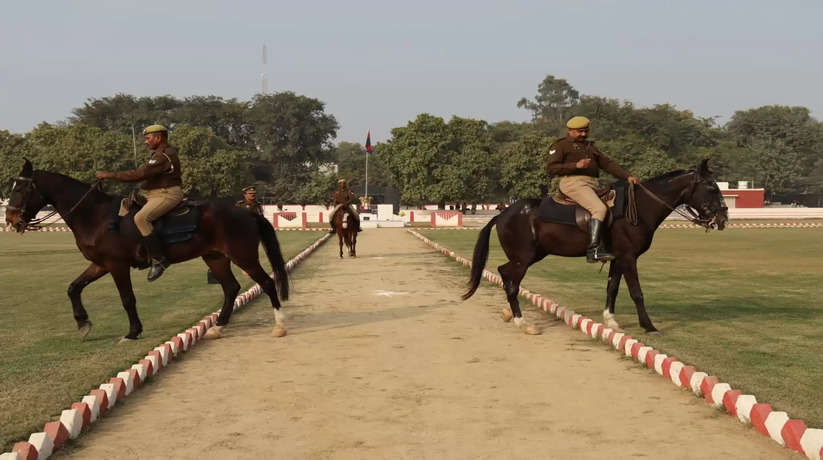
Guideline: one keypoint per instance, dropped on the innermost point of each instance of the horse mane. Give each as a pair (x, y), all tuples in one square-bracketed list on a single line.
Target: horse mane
[(669, 175), (72, 182)]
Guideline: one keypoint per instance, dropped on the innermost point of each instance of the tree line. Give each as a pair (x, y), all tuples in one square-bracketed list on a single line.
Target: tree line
[(283, 143)]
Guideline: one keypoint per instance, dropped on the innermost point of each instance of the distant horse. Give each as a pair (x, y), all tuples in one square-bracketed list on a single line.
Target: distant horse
[(226, 234), (526, 240), (345, 224)]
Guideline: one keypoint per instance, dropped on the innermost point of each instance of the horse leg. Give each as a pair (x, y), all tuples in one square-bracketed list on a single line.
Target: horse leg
[(340, 240), (253, 268), (611, 295), (354, 244), (122, 279), (220, 267), (512, 273), (91, 274), (630, 273)]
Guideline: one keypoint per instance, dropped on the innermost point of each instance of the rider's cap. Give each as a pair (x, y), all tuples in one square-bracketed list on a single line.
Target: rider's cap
[(248, 189), (340, 181), (578, 123), (155, 129)]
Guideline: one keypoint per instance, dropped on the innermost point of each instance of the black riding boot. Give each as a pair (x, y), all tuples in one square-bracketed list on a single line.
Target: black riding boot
[(597, 251), (331, 226), (158, 258)]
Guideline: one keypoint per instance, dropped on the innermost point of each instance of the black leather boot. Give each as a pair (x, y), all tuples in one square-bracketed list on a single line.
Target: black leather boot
[(158, 258), (596, 251), (331, 226)]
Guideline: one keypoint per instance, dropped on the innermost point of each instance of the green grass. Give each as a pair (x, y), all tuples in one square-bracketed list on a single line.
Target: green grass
[(44, 366), (745, 305)]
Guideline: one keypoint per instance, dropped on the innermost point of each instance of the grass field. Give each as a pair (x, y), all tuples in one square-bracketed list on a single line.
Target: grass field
[(44, 366), (745, 305)]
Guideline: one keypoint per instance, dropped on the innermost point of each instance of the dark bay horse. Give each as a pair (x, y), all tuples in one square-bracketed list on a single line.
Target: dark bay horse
[(345, 224), (527, 240), (227, 234)]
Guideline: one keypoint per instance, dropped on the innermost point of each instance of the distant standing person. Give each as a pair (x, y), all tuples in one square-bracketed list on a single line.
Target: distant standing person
[(578, 163), (250, 202)]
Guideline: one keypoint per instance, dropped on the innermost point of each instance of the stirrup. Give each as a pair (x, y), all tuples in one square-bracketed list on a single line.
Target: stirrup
[(157, 269), (598, 255)]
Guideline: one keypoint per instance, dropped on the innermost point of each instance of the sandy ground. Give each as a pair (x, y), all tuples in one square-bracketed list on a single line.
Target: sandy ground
[(383, 360)]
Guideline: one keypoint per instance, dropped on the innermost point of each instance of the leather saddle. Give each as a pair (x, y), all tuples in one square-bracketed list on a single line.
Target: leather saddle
[(561, 209), (176, 226)]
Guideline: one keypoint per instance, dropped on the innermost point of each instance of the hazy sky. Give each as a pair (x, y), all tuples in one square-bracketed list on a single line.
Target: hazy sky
[(377, 64)]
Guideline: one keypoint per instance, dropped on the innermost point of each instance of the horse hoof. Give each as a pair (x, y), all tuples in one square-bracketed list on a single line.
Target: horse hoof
[(507, 315), (531, 330), (126, 340), (278, 331), (85, 329), (655, 333), (213, 332)]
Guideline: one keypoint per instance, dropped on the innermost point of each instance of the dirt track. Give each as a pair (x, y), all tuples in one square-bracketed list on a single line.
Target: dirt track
[(399, 367)]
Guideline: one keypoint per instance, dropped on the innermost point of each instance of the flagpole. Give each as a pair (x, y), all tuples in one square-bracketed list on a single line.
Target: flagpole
[(367, 171)]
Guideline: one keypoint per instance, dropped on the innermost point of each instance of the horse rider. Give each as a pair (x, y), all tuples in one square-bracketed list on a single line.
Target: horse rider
[(161, 182), (249, 201), (578, 163), (343, 197)]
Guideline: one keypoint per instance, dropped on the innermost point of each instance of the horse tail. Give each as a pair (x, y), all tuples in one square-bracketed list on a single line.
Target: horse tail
[(481, 254), (272, 247)]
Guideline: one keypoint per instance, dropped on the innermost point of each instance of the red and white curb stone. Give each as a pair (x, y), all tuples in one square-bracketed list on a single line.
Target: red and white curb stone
[(777, 425), (6, 228), (74, 421)]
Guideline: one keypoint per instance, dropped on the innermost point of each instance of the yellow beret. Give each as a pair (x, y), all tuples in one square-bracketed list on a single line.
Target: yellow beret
[(341, 181), (155, 129), (249, 189), (577, 123)]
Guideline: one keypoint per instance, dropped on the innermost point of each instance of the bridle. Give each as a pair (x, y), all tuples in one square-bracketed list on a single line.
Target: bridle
[(35, 224), (689, 214)]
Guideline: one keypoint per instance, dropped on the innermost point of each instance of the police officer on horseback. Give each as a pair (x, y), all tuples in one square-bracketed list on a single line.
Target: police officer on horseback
[(578, 163), (343, 197), (161, 182)]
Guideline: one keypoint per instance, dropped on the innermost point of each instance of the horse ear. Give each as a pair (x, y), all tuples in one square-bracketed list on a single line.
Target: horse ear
[(703, 169), (28, 169)]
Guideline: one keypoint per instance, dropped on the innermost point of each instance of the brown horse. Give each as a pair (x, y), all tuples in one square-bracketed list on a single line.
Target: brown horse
[(345, 224), (526, 240), (226, 234)]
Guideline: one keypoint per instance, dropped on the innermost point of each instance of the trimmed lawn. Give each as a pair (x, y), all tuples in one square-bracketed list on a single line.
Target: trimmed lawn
[(44, 366), (743, 304)]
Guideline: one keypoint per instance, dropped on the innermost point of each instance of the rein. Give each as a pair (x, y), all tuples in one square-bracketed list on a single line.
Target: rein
[(35, 224), (692, 216)]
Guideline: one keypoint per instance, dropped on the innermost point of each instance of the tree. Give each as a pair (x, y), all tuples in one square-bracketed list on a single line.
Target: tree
[(554, 102), (411, 155), (292, 136), (211, 167), (12, 151), (79, 151), (350, 158), (523, 166), (124, 112)]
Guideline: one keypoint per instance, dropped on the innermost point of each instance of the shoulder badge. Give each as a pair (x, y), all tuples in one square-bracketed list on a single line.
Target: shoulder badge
[(153, 162)]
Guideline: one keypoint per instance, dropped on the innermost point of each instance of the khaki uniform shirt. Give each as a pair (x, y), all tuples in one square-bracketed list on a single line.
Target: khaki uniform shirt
[(254, 206), (564, 154), (161, 171), (344, 196)]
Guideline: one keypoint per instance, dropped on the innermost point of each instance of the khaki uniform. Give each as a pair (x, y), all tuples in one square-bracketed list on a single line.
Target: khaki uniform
[(580, 184), (161, 181), (342, 198), (253, 206)]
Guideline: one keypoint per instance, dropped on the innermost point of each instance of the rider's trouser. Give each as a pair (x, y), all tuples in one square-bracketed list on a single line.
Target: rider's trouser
[(158, 202), (582, 190), (351, 210)]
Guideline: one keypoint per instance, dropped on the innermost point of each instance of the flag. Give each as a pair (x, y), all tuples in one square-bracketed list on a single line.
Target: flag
[(368, 141)]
